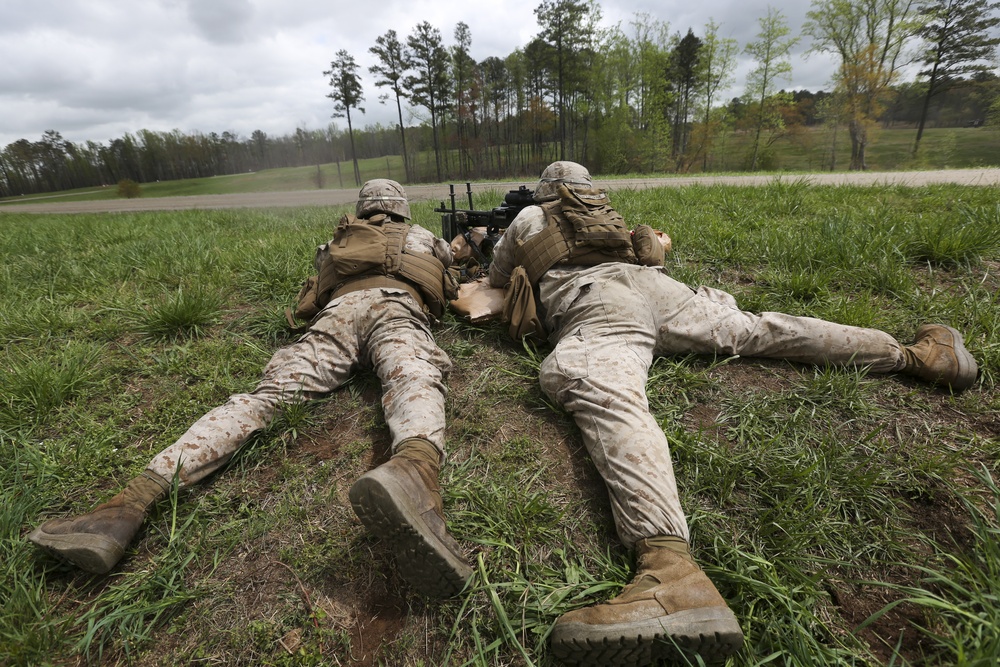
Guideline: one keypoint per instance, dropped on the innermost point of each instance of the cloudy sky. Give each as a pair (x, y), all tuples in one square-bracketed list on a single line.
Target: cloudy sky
[(96, 69)]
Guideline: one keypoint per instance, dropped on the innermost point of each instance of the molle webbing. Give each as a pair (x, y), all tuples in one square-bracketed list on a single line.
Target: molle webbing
[(395, 239), (594, 223), (371, 254), (582, 230), (421, 268), (427, 272), (376, 282), (543, 251)]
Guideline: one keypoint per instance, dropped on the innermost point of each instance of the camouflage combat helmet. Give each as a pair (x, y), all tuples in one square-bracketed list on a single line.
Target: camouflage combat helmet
[(570, 173), (381, 195)]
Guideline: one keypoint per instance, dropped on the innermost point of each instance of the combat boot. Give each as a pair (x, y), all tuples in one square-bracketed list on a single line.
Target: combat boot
[(669, 610), (938, 355), (96, 541), (400, 502)]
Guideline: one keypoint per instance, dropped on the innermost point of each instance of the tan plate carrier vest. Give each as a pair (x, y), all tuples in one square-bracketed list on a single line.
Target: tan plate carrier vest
[(582, 230), (367, 254)]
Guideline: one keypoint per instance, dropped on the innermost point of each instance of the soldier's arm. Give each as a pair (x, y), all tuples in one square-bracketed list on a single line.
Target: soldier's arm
[(422, 240), (528, 222)]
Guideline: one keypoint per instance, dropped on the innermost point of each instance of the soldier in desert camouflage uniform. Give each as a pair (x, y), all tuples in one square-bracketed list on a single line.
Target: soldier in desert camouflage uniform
[(377, 280), (607, 317)]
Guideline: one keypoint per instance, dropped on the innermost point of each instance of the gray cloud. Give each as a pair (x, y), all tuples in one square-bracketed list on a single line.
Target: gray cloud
[(96, 69), (221, 21)]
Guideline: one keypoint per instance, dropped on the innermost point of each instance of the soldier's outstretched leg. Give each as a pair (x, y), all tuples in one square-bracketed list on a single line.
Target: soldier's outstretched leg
[(670, 609), (938, 355), (400, 502), (96, 541)]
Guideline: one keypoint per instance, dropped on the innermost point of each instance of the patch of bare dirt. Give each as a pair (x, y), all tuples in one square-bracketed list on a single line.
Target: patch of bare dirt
[(857, 603)]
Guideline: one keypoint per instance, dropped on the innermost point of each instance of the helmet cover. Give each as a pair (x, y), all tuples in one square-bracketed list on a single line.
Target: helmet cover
[(382, 195), (573, 175)]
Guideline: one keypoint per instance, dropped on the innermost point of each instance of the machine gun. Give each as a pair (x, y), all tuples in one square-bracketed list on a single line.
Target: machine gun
[(462, 222)]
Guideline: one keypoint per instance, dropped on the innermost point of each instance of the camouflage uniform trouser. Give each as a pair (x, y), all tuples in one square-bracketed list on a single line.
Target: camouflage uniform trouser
[(381, 329), (606, 337)]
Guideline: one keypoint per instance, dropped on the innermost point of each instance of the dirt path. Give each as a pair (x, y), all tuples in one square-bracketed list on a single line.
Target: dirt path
[(978, 177)]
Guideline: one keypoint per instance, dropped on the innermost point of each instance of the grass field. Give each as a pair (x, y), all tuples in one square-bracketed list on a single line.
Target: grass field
[(848, 518), (889, 150)]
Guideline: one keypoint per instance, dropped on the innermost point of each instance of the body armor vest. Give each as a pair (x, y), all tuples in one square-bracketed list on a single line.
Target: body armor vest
[(582, 229), (366, 254)]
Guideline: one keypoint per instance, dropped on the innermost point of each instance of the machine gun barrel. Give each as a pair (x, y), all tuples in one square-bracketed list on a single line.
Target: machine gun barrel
[(461, 221)]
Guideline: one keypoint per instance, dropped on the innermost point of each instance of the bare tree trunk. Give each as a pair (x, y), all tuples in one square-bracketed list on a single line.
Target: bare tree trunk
[(859, 139), (354, 155), (402, 135), (437, 149), (927, 104)]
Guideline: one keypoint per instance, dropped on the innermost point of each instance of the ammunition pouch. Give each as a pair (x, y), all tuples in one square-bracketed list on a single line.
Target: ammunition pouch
[(306, 307), (368, 254), (520, 311)]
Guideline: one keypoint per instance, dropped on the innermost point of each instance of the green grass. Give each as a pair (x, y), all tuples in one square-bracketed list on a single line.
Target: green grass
[(888, 150), (848, 518)]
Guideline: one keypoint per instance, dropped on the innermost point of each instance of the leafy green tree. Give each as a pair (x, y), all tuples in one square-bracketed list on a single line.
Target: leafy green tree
[(683, 74), (464, 74), (613, 89), (567, 25), (346, 95), (51, 155), (496, 105), (537, 117), (718, 59), (959, 44), (771, 53), (650, 48), (430, 87), (869, 36), (392, 65), (517, 125)]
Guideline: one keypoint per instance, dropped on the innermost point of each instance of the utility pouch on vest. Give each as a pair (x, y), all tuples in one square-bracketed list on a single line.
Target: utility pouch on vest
[(306, 307), (595, 224), (520, 312), (361, 249), (646, 246), (357, 248)]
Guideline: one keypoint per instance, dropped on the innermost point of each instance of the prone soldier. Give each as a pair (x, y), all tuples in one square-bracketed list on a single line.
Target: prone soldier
[(379, 282), (608, 308)]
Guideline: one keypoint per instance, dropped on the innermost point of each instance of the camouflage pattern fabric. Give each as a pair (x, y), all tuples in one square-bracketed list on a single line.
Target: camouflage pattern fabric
[(608, 322), (382, 329)]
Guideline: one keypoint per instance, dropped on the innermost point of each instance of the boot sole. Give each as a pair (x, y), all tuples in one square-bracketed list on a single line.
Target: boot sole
[(92, 553), (712, 633), (426, 562), (968, 370)]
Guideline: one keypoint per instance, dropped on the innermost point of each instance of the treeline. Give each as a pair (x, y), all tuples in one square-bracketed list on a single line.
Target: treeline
[(636, 98), (54, 164)]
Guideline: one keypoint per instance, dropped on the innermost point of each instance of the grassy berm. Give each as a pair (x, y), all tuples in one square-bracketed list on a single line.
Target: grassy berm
[(850, 519)]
